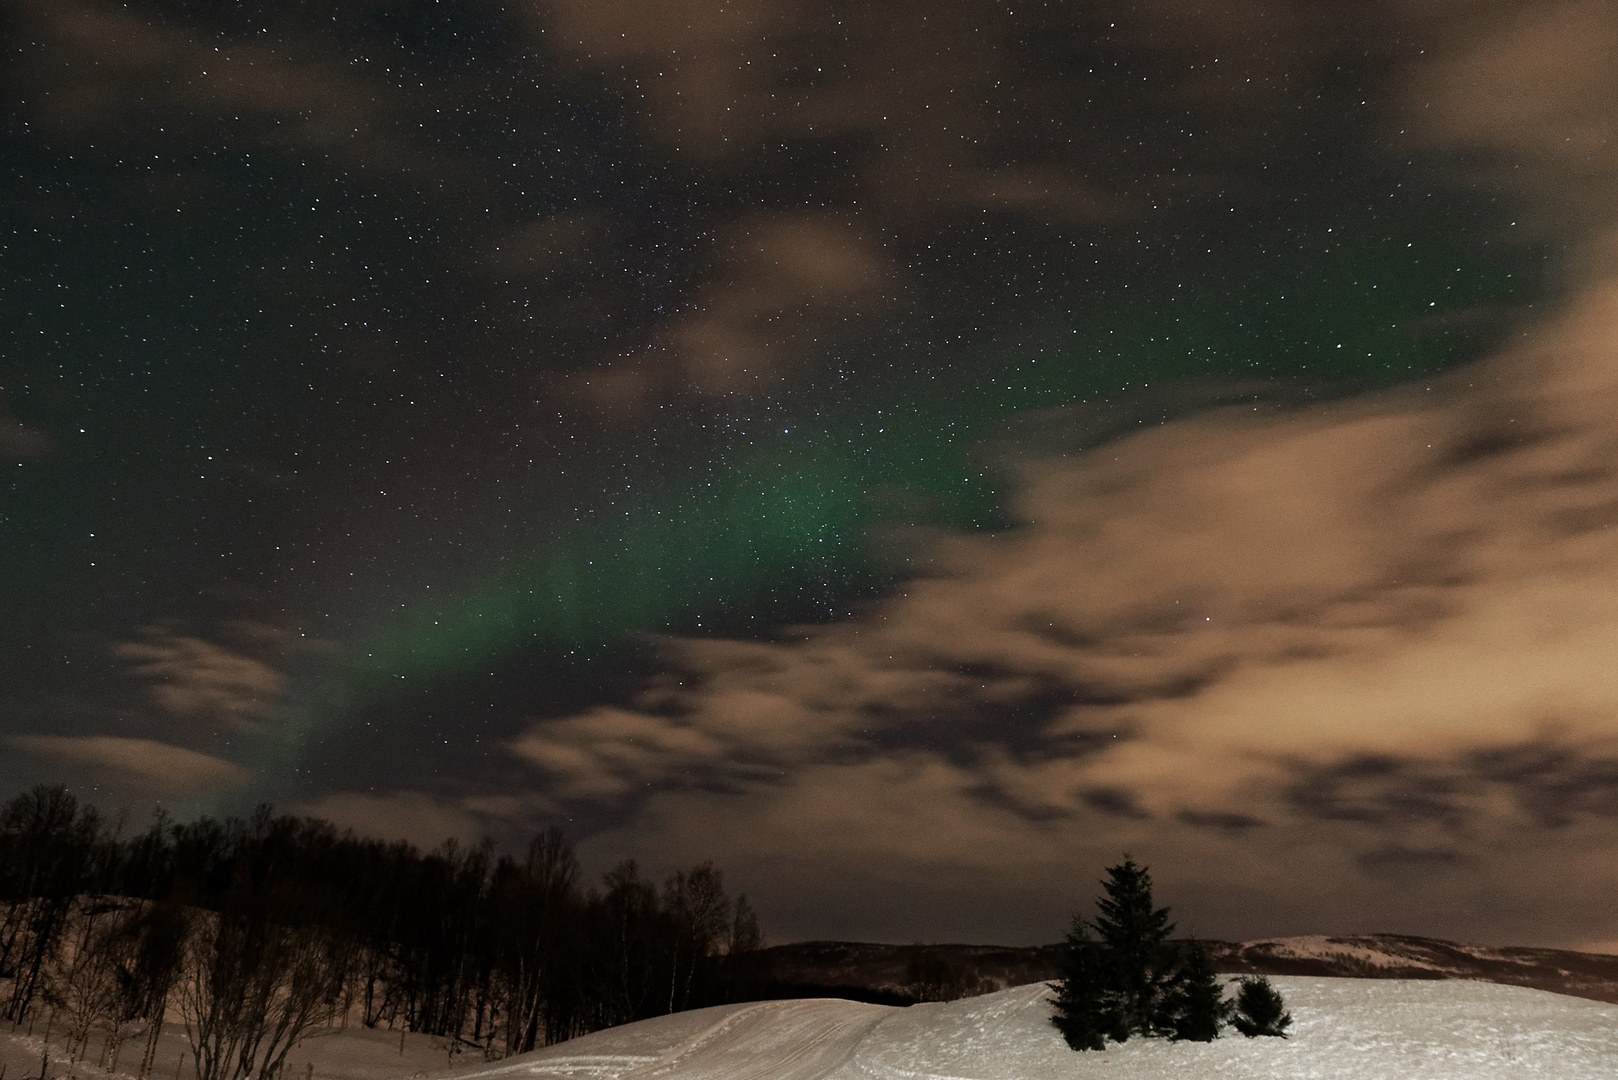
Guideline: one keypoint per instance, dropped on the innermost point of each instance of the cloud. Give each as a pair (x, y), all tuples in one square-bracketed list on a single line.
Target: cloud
[(99, 68), (890, 88), (142, 763), (551, 245), (1346, 665), (911, 127), (606, 751), (20, 441), (413, 816), (192, 678), (827, 150), (1373, 638), (1522, 94), (784, 282), (908, 845)]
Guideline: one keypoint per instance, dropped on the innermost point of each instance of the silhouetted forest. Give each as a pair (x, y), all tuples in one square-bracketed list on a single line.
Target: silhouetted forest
[(256, 931)]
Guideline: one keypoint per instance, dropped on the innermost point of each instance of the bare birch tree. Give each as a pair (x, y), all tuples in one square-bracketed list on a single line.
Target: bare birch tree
[(251, 988)]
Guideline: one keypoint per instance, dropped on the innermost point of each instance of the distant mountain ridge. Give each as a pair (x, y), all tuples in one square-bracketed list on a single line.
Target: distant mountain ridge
[(1403, 956), (903, 974)]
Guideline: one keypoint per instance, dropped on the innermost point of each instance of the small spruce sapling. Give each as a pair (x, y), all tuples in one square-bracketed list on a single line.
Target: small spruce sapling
[(1260, 1010), (1080, 1014), (1198, 1005)]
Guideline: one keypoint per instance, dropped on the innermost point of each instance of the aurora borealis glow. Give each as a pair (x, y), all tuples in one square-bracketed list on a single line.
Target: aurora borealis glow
[(782, 510)]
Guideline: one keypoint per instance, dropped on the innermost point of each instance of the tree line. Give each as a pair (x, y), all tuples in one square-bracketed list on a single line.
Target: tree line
[(255, 931), (1131, 978)]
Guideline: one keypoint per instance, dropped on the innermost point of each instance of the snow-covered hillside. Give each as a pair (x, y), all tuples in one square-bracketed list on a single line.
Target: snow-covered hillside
[(866, 971), (1344, 1029), (1399, 956)]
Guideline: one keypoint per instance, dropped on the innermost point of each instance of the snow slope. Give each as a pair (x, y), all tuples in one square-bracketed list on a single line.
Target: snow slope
[(780, 1040), (1344, 1029)]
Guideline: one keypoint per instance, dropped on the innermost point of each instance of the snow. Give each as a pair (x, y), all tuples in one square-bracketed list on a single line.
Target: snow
[(781, 1040), (1320, 947), (1343, 1029)]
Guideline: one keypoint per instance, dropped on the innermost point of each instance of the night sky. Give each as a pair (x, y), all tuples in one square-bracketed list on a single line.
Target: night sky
[(908, 453)]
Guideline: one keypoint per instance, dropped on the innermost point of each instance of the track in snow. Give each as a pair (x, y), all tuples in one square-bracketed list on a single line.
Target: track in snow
[(772, 1040), (781, 1040)]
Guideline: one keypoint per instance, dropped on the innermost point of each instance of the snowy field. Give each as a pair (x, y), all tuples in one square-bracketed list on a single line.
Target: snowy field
[(1343, 1029)]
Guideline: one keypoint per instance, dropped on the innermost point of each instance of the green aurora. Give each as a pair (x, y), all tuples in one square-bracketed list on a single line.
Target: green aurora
[(779, 516)]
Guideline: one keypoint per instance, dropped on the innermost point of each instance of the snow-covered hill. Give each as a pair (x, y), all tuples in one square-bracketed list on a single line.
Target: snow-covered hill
[(1344, 1029), (866, 971), (1399, 956)]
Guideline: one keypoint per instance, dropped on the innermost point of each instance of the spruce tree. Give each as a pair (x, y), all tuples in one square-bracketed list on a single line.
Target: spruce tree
[(1260, 1010), (1139, 968), (1197, 1002), (1133, 980), (1079, 991)]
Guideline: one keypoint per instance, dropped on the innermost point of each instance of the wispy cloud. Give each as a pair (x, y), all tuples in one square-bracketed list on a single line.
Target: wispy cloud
[(20, 441), (99, 68), (142, 764), (897, 122), (413, 816), (785, 281), (194, 679), (1521, 94)]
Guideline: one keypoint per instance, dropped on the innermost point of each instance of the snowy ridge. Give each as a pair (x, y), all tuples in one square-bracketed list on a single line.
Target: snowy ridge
[(1348, 951), (1383, 956), (1344, 1029), (873, 972)]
